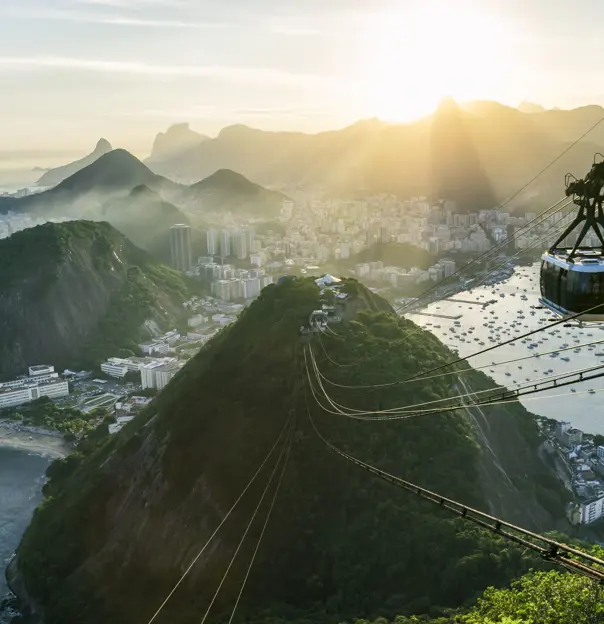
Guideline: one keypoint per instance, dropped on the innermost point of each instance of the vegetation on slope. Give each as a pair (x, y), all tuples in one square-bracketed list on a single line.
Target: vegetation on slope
[(229, 191), (76, 292), (403, 255), (126, 522)]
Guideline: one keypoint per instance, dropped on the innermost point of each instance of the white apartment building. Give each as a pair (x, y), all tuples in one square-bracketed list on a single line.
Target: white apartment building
[(164, 374), (158, 374), (30, 390), (118, 371), (155, 347), (41, 369), (591, 510)]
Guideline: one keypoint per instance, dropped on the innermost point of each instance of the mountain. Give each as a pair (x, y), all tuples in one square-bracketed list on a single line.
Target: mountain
[(124, 520), (145, 218), (83, 194), (506, 148), (55, 176), (530, 107), (176, 140), (76, 292), (228, 191)]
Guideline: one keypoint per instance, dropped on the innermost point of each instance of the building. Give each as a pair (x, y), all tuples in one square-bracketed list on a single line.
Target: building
[(212, 242), (225, 244), (180, 246), (287, 208), (572, 437), (42, 382), (119, 371), (158, 374), (588, 511), (165, 373), (41, 369), (149, 348), (240, 245), (562, 426), (222, 290)]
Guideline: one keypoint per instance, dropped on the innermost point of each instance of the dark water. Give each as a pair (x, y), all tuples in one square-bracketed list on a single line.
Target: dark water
[(21, 479)]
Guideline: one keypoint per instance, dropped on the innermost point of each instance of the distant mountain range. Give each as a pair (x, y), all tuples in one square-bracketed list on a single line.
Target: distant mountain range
[(52, 177), (120, 189), (177, 139), (501, 145), (477, 154)]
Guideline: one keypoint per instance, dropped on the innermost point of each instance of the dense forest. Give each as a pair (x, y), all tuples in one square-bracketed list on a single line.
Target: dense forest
[(76, 292), (121, 524)]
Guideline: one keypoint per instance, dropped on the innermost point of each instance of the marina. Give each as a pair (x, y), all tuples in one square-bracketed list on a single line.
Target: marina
[(515, 313)]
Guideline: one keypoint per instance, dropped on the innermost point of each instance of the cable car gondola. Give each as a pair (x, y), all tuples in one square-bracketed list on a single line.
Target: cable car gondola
[(572, 280)]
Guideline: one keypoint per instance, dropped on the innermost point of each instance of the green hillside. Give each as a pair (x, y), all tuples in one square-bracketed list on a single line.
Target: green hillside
[(76, 292), (121, 525)]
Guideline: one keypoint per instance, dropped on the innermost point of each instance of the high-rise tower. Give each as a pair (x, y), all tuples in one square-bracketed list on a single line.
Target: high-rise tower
[(180, 246)]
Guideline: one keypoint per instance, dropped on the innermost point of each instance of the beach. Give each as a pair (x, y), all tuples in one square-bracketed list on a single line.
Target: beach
[(37, 440)]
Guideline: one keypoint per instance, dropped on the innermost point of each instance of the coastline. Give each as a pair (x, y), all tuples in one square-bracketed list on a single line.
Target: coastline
[(37, 440)]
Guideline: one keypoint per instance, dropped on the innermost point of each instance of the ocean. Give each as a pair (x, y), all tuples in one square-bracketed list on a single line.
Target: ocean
[(21, 480), (511, 315)]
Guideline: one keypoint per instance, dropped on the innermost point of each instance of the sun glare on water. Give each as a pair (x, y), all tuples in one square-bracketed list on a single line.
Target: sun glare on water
[(414, 58)]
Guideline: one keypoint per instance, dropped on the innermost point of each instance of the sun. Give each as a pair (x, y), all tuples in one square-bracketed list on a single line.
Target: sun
[(414, 58)]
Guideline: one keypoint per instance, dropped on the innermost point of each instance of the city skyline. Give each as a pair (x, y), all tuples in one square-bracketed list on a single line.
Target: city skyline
[(126, 69)]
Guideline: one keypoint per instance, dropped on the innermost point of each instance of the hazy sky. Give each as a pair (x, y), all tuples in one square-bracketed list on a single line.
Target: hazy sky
[(74, 70)]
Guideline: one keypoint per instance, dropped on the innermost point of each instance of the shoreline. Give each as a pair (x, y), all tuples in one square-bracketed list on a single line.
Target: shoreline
[(36, 440)]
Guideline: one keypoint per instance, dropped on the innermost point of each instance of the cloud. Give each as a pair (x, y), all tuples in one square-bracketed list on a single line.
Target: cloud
[(112, 20), (240, 75), (133, 4)]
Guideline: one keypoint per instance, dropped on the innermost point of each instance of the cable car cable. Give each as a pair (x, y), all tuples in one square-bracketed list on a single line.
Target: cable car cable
[(405, 409), (268, 516), (247, 529), (196, 558), (501, 344), (461, 372), (439, 411), (524, 389), (495, 249), (549, 549), (540, 173)]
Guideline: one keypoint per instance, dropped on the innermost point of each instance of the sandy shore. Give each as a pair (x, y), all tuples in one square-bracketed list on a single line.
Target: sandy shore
[(50, 444)]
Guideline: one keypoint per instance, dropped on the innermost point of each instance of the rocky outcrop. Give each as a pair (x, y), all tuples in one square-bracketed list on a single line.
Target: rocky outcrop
[(27, 605), (177, 139), (55, 176)]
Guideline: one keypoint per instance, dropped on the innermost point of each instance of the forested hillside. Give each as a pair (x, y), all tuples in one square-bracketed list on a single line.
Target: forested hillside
[(121, 525), (74, 293)]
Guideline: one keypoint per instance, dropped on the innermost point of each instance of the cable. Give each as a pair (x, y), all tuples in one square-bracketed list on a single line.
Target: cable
[(510, 395), (461, 372), (403, 415), (493, 250), (186, 572), (551, 231), (247, 528), (268, 516), (549, 549), (522, 188), (406, 408), (501, 344)]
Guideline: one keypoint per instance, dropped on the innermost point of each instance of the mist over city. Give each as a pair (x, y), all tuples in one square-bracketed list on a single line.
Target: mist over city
[(301, 312)]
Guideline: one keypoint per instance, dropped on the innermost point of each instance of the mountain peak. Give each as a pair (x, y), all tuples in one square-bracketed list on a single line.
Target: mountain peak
[(102, 146), (115, 169), (177, 138), (530, 107), (57, 175)]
